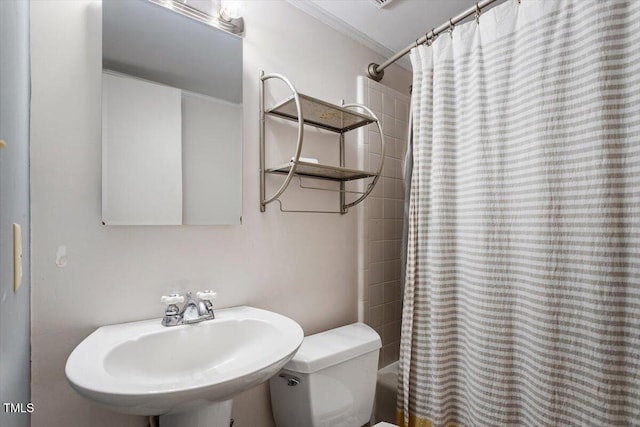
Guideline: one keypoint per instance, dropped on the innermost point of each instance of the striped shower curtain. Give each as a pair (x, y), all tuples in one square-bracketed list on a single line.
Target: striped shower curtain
[(522, 294)]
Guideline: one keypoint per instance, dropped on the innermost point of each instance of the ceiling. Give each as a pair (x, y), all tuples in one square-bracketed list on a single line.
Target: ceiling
[(389, 29)]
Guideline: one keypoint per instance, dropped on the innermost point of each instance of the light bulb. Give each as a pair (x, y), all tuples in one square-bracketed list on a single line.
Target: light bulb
[(231, 9)]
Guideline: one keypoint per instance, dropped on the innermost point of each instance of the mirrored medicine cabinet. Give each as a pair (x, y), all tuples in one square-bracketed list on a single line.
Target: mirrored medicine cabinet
[(171, 118)]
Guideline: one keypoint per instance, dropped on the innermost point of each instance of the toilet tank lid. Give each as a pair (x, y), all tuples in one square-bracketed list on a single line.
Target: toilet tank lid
[(331, 347)]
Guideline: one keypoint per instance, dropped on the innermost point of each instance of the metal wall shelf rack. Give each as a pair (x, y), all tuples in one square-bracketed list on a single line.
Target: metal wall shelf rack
[(309, 111)]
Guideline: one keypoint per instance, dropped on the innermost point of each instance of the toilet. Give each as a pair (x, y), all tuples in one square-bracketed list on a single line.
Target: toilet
[(331, 380)]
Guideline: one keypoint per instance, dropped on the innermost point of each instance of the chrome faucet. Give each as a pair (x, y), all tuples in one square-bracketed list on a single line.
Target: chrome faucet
[(195, 309)]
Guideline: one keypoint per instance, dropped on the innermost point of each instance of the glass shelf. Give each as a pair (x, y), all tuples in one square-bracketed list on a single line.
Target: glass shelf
[(321, 114), (315, 170)]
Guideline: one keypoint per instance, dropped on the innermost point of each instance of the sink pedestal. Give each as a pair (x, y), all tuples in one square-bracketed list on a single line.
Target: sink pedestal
[(217, 414)]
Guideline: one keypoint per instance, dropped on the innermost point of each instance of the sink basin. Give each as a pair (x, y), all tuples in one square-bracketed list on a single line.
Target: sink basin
[(144, 368)]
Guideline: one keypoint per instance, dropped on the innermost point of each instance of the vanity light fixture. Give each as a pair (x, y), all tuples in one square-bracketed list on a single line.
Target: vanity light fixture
[(223, 14)]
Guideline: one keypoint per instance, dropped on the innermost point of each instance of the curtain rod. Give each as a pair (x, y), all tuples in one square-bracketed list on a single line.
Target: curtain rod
[(376, 72)]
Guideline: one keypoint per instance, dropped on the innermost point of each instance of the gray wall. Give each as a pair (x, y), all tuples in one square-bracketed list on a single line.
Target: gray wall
[(267, 262), (14, 208)]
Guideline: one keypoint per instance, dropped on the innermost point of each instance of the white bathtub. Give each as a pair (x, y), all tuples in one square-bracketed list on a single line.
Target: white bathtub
[(386, 393)]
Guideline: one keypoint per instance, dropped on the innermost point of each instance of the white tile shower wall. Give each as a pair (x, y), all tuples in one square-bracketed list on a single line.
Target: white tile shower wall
[(380, 218)]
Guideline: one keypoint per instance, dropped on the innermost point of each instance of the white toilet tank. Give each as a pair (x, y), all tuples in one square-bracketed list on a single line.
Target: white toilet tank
[(331, 380)]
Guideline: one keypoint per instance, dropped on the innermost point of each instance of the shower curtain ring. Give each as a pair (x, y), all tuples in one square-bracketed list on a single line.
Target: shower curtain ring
[(451, 26), (431, 36), (478, 12)]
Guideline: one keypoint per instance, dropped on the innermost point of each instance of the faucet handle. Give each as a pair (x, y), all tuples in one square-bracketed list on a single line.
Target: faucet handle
[(171, 299), (207, 295)]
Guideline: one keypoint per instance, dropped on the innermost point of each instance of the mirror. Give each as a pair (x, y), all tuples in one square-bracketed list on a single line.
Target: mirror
[(172, 118)]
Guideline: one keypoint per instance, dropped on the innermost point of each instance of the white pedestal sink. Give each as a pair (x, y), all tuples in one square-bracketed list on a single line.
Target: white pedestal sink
[(187, 374)]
